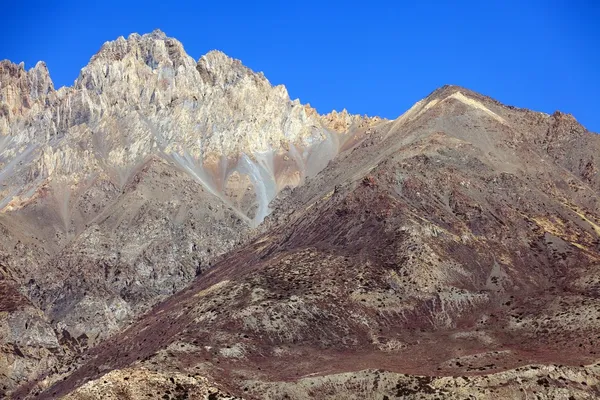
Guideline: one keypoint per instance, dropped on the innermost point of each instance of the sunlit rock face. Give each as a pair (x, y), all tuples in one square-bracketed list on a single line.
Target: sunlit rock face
[(117, 191), (144, 96)]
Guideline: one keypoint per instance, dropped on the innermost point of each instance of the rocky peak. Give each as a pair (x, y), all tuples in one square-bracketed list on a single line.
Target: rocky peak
[(150, 47), (565, 124), (343, 121), (216, 68), (563, 131), (22, 90), (125, 64), (143, 96), (35, 82), (155, 34)]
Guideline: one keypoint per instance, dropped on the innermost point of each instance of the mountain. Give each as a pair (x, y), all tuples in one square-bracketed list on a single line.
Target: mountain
[(118, 191), (450, 253)]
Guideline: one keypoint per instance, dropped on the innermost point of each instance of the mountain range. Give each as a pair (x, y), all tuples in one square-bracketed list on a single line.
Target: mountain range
[(174, 228)]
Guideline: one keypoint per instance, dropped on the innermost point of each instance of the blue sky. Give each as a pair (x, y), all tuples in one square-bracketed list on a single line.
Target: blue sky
[(372, 57)]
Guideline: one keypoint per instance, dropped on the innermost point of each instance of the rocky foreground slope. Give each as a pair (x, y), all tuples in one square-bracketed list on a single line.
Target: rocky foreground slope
[(450, 253)]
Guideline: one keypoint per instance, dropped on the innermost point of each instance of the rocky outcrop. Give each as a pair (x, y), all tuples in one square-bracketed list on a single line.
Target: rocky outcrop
[(22, 92), (344, 122), (29, 345), (142, 383)]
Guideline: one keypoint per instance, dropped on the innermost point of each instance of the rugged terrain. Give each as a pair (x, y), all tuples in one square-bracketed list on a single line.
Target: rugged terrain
[(119, 190), (451, 253)]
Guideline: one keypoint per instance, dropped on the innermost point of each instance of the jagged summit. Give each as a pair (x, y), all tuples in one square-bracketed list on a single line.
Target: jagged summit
[(135, 56), (156, 34), (144, 95), (22, 91), (40, 65)]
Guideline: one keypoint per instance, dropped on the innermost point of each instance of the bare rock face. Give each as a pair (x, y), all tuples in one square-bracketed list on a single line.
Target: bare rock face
[(145, 96), (118, 191), (25, 335), (22, 92)]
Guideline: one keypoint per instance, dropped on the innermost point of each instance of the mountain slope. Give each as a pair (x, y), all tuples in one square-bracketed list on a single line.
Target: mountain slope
[(458, 244)]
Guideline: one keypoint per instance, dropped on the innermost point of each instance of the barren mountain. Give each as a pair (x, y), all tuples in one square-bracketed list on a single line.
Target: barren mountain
[(450, 253), (118, 191)]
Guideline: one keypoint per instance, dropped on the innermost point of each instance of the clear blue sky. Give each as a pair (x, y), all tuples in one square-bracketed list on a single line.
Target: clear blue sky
[(371, 57)]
